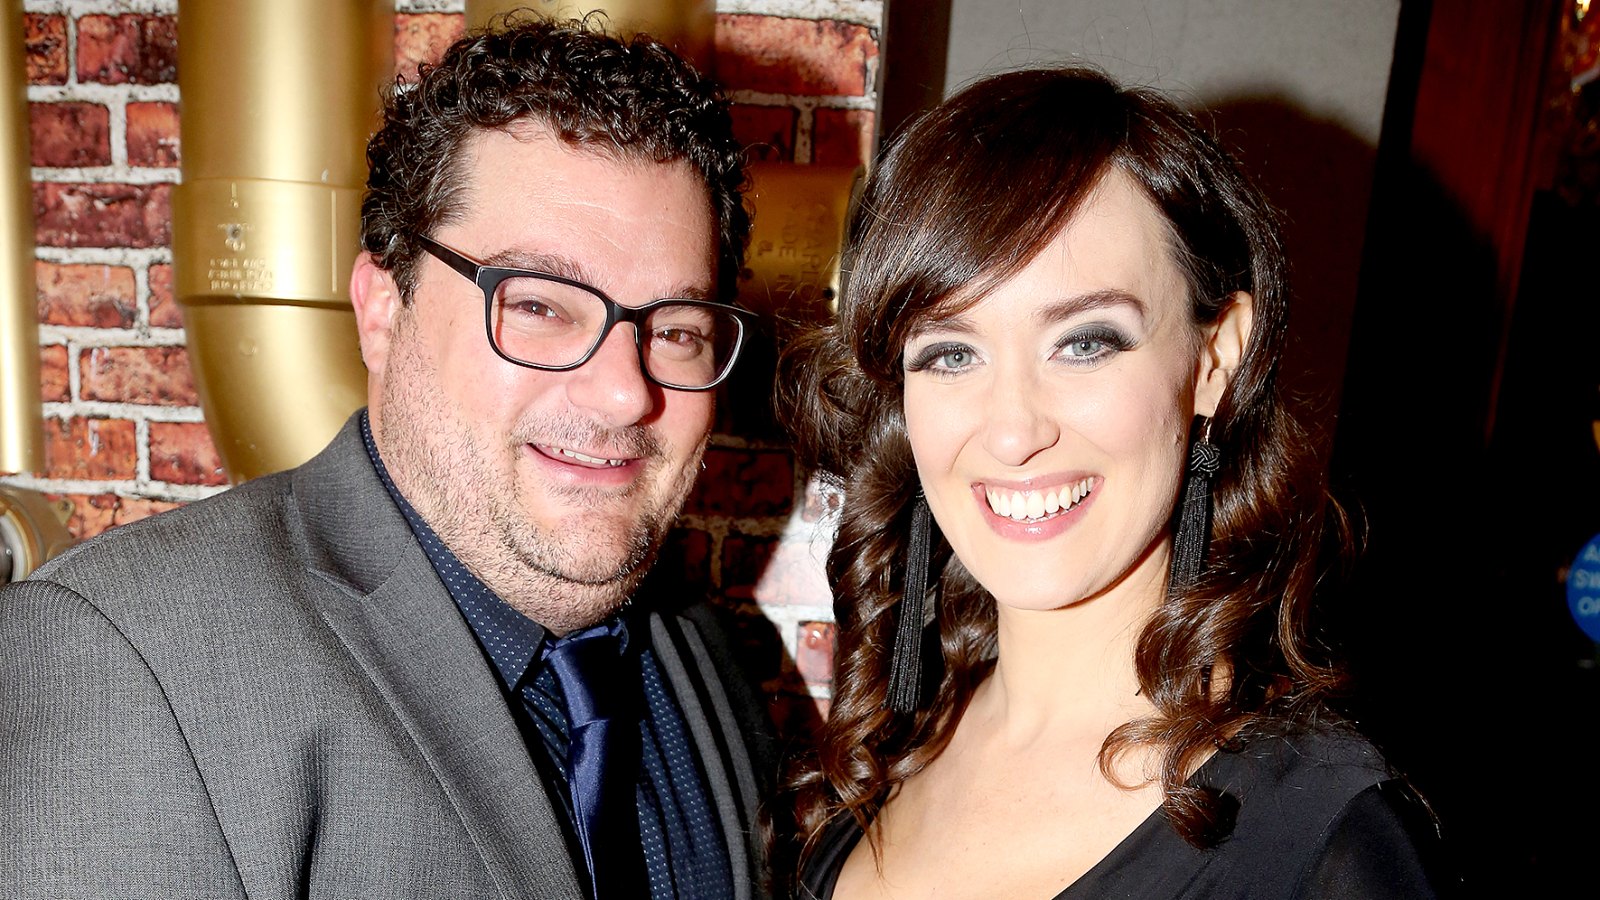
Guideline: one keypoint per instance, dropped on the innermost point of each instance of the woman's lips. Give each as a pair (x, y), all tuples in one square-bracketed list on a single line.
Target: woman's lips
[(1026, 515)]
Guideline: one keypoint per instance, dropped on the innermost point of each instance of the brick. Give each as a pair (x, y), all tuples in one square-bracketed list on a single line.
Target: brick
[(70, 134), (55, 384), (103, 215), (775, 573), (796, 718), (164, 309), (685, 559), (813, 657), (157, 376), (94, 514), (132, 509), (757, 647), (842, 137), (744, 558), (822, 500), (128, 49), (793, 56), (85, 295), (767, 132), (423, 37), (90, 449), (46, 37), (744, 483), (153, 134), (182, 453)]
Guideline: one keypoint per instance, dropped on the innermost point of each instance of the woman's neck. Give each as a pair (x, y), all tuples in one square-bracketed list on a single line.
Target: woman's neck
[(1070, 669)]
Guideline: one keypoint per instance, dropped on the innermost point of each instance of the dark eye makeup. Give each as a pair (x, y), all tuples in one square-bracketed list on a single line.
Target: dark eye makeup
[(957, 355), (1092, 343)]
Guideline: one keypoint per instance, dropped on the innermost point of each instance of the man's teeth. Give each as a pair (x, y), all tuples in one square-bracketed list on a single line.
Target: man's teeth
[(1024, 505), (591, 460)]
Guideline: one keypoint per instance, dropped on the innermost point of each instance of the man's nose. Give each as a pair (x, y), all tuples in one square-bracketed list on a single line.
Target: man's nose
[(612, 383)]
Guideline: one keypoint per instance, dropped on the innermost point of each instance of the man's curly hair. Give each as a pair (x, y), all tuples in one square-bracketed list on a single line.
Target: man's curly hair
[(631, 99)]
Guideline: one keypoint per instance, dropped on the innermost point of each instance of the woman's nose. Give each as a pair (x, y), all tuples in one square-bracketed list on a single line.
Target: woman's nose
[(1017, 421)]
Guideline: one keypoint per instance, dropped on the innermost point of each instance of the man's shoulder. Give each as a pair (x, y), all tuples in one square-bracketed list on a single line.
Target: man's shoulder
[(204, 535), (250, 533)]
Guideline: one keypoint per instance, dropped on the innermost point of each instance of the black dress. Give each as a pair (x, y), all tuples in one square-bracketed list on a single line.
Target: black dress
[(1320, 815)]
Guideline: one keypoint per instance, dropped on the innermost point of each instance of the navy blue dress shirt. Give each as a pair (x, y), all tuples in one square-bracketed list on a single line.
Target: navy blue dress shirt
[(683, 849)]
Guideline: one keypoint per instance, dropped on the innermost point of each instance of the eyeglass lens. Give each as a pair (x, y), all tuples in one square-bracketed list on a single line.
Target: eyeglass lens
[(548, 323)]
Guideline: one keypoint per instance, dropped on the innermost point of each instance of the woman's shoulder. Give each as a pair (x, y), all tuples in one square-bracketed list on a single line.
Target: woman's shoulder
[(1319, 805), (1328, 759)]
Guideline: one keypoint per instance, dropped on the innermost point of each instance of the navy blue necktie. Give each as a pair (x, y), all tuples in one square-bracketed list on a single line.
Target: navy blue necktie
[(602, 695)]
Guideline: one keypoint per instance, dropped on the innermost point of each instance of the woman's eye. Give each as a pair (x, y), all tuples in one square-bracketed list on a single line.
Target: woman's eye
[(943, 358), (1092, 345)]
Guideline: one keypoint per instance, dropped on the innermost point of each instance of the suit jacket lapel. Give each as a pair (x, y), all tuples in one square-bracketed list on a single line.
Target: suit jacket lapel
[(718, 742), (403, 630)]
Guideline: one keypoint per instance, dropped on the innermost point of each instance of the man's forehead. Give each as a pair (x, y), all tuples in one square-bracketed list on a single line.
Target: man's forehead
[(525, 198), (537, 132)]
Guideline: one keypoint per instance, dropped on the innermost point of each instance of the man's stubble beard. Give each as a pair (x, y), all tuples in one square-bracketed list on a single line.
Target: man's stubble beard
[(561, 581)]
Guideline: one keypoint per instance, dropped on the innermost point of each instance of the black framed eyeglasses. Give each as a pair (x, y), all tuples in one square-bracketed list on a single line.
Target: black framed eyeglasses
[(548, 322)]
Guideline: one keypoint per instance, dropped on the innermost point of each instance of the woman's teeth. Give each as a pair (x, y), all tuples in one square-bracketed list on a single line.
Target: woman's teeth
[(1022, 506)]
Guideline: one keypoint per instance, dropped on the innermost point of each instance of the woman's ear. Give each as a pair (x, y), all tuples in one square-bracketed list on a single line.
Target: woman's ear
[(1222, 347)]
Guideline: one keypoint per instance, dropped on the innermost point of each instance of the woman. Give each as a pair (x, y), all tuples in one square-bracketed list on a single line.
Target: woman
[(1064, 313)]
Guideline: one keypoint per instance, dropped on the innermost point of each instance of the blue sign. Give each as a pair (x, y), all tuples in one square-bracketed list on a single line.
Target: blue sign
[(1583, 588)]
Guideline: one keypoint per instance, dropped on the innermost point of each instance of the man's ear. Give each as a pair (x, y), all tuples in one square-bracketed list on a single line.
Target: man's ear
[(376, 299), (1222, 347)]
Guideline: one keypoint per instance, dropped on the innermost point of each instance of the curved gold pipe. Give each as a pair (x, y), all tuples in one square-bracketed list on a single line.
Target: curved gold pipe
[(32, 529), (21, 433), (279, 97), (687, 26)]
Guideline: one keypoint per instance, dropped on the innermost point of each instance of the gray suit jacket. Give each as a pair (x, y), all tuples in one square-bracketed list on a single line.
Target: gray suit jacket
[(271, 694)]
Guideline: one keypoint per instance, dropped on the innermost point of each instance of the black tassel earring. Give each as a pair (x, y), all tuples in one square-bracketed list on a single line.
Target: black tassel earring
[(905, 663), (1192, 537)]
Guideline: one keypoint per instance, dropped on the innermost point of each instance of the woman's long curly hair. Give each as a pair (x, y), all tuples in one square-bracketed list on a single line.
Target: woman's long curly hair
[(964, 200)]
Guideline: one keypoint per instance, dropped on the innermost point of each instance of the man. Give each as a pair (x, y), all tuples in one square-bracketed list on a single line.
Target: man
[(411, 667)]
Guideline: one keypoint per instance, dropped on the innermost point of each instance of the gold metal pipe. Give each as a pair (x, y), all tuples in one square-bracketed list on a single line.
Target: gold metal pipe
[(687, 26), (798, 222), (791, 275), (21, 433), (279, 97)]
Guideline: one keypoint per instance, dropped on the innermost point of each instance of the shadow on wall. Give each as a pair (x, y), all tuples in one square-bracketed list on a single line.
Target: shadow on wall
[(1466, 663), (1318, 174)]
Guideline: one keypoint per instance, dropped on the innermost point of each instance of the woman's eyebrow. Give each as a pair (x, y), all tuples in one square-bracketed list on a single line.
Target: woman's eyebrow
[(957, 322), (1050, 313), (1067, 307)]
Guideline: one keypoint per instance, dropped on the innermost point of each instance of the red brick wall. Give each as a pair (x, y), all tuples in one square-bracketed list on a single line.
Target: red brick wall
[(124, 432)]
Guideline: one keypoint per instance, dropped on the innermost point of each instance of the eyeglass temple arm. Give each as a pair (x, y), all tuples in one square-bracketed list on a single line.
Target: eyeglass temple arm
[(451, 258)]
